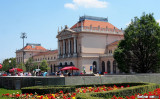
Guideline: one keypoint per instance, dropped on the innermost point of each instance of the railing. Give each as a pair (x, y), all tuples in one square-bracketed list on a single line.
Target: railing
[(98, 29), (106, 55)]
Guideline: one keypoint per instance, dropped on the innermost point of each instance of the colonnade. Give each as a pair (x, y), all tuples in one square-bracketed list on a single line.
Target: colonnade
[(67, 47)]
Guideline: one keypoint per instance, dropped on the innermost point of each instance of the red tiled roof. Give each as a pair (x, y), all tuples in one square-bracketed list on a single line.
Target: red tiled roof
[(95, 24), (47, 53), (29, 47), (114, 43)]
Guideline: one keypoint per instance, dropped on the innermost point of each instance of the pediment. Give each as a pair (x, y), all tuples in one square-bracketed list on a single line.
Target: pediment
[(65, 32)]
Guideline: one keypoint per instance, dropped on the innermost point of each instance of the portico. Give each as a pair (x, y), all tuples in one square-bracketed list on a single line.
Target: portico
[(67, 44)]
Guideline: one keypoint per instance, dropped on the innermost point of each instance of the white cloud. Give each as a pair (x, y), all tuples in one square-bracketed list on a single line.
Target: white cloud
[(158, 21), (128, 23), (86, 4), (70, 5)]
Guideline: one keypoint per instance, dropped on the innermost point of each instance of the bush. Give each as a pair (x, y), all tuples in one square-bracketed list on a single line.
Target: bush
[(47, 89), (129, 91)]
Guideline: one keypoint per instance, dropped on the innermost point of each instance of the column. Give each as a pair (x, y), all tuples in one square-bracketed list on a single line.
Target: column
[(105, 66), (59, 51), (69, 50), (63, 48), (75, 43), (111, 66)]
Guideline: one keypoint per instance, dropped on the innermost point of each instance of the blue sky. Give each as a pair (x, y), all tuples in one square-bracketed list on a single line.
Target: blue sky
[(40, 19)]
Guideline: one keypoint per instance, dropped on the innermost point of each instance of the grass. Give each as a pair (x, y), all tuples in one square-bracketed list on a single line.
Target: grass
[(4, 91)]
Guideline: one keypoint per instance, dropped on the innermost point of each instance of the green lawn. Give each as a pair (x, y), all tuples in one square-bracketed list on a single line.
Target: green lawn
[(4, 91)]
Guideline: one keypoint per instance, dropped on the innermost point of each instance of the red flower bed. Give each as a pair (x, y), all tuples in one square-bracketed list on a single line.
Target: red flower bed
[(150, 95)]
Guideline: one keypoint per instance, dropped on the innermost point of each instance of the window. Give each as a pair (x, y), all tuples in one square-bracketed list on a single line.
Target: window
[(110, 51)]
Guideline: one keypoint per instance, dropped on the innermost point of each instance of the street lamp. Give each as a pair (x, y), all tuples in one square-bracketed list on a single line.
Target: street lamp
[(9, 63), (23, 36)]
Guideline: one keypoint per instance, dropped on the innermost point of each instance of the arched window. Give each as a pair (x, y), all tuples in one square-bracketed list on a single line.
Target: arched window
[(108, 67), (60, 64), (94, 67), (103, 66), (65, 63), (71, 63), (114, 66)]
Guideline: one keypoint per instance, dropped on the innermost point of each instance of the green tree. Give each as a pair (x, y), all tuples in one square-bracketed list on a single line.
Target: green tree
[(140, 49), (21, 66), (44, 66), (31, 65), (8, 64)]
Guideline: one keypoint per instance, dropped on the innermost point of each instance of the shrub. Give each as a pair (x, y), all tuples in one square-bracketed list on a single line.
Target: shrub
[(47, 89)]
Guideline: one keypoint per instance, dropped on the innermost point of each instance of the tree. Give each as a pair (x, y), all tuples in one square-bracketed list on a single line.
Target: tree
[(21, 66), (8, 64), (140, 49), (31, 65), (44, 65)]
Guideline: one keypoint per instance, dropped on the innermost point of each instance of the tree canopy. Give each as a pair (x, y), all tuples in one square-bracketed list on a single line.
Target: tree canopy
[(140, 49), (8, 64), (44, 65), (31, 65)]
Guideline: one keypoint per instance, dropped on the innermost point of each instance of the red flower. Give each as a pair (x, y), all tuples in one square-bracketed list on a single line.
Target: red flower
[(84, 91), (61, 91), (74, 94), (17, 95), (7, 94)]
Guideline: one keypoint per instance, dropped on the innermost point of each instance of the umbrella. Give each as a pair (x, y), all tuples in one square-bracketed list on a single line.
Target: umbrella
[(70, 68), (0, 66), (17, 69), (37, 70)]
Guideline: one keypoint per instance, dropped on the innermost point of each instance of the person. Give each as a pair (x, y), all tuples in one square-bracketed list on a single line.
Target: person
[(21, 74), (45, 74), (69, 74), (56, 73), (16, 74), (29, 74), (61, 75)]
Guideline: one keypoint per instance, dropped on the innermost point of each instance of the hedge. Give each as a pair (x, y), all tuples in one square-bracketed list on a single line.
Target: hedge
[(129, 91), (48, 90), (68, 89)]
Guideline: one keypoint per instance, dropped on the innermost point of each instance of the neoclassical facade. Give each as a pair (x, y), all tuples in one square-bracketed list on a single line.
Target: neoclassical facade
[(28, 51), (50, 56), (89, 45)]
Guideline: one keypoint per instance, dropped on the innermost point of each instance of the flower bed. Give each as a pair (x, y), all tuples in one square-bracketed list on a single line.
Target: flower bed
[(129, 91), (68, 89), (150, 95), (100, 92)]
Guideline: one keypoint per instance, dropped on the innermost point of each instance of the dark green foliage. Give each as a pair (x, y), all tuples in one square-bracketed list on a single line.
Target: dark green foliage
[(140, 49), (31, 65), (44, 65), (47, 90), (120, 92), (8, 65)]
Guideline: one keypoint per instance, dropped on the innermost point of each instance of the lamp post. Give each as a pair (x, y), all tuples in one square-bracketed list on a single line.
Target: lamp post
[(23, 36), (9, 62)]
